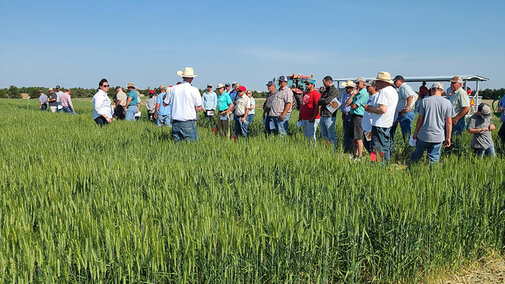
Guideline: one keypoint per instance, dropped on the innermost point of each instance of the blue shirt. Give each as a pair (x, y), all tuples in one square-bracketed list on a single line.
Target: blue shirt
[(502, 103), (162, 110), (135, 98), (232, 95), (209, 101), (345, 97)]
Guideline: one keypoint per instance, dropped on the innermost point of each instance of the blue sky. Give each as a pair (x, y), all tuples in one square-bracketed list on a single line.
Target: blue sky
[(76, 43)]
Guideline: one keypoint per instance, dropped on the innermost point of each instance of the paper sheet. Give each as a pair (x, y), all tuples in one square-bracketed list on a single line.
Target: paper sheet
[(332, 109)]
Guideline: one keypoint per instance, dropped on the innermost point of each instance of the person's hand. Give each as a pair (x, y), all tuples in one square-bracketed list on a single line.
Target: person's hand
[(108, 119), (414, 136), (281, 117), (311, 120), (447, 142), (403, 111), (243, 119), (155, 116), (482, 130), (501, 109), (454, 121), (491, 127), (203, 110)]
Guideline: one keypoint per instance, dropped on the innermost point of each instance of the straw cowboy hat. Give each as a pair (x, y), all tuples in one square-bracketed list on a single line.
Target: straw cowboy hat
[(349, 84), (188, 73), (130, 85), (385, 77)]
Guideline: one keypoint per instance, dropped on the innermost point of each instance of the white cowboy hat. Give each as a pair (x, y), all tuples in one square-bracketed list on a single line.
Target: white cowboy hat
[(188, 73), (349, 84), (385, 77)]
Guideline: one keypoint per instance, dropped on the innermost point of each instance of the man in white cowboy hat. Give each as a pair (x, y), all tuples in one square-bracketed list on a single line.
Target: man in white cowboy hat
[(350, 88), (383, 114), (433, 126), (186, 102)]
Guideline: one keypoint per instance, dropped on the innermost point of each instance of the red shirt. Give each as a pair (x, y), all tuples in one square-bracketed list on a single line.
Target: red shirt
[(309, 104)]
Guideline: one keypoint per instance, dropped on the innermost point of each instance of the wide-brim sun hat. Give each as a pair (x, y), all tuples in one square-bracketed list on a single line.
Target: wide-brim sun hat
[(219, 86), (384, 77), (349, 84), (437, 85), (187, 73), (130, 85)]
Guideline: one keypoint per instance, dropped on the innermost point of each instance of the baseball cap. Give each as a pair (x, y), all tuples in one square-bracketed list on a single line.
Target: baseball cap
[(398, 78), (209, 85), (242, 89), (312, 81), (117, 88), (151, 91), (58, 87), (484, 110), (283, 79), (456, 79), (51, 89), (270, 83), (370, 83), (360, 79), (227, 84), (437, 85)]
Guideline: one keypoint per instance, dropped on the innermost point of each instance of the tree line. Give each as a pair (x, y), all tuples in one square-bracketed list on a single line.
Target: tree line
[(14, 92)]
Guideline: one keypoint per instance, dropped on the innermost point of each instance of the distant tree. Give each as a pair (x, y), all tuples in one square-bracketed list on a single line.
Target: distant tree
[(4, 94), (14, 92)]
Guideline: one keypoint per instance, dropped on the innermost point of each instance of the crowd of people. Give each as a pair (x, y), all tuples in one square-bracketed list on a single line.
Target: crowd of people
[(370, 111)]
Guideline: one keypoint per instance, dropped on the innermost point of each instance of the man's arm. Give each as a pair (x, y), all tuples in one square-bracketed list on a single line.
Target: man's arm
[(245, 114), (156, 109), (381, 109), (287, 107), (419, 123), (448, 131)]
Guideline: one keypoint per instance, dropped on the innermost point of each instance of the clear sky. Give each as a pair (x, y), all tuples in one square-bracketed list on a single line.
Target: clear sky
[(76, 43)]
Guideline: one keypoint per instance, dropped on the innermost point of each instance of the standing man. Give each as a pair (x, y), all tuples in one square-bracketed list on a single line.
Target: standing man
[(350, 90), (43, 100), (267, 106), (151, 105), (423, 90), (433, 125), (404, 114), (383, 113), (327, 117), (53, 97), (461, 104), (186, 102), (281, 107), (309, 111), (224, 106), (357, 102), (480, 125), (241, 110), (119, 108), (66, 102), (59, 92), (162, 113), (209, 102)]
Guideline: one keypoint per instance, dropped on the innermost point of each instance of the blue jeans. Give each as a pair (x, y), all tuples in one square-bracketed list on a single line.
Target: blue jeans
[(130, 113), (459, 127), (309, 130), (182, 130), (241, 127), (163, 120), (348, 129), (250, 118), (43, 107), (433, 150), (380, 142), (67, 109), (279, 125), (286, 122), (485, 152), (266, 122), (405, 122), (328, 129)]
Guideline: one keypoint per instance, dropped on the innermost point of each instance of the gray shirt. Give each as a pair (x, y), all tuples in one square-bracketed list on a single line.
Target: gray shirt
[(435, 110), (268, 102), (151, 104), (280, 100), (404, 92), (482, 140)]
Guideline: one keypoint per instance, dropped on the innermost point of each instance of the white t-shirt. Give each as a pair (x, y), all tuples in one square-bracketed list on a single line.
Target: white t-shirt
[(366, 122), (388, 97), (184, 98)]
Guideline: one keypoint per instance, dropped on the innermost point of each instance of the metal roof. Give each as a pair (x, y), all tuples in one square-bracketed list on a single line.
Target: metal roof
[(429, 78)]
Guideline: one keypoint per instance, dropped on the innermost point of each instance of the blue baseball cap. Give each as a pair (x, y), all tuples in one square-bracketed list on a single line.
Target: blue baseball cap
[(283, 79)]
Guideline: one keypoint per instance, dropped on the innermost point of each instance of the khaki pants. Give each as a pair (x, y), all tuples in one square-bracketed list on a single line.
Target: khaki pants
[(223, 126), (53, 108)]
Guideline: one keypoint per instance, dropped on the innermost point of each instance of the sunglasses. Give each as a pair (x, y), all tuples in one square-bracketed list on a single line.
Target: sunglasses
[(105, 86)]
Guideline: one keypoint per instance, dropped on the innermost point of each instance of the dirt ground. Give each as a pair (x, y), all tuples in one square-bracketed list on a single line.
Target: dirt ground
[(489, 269)]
